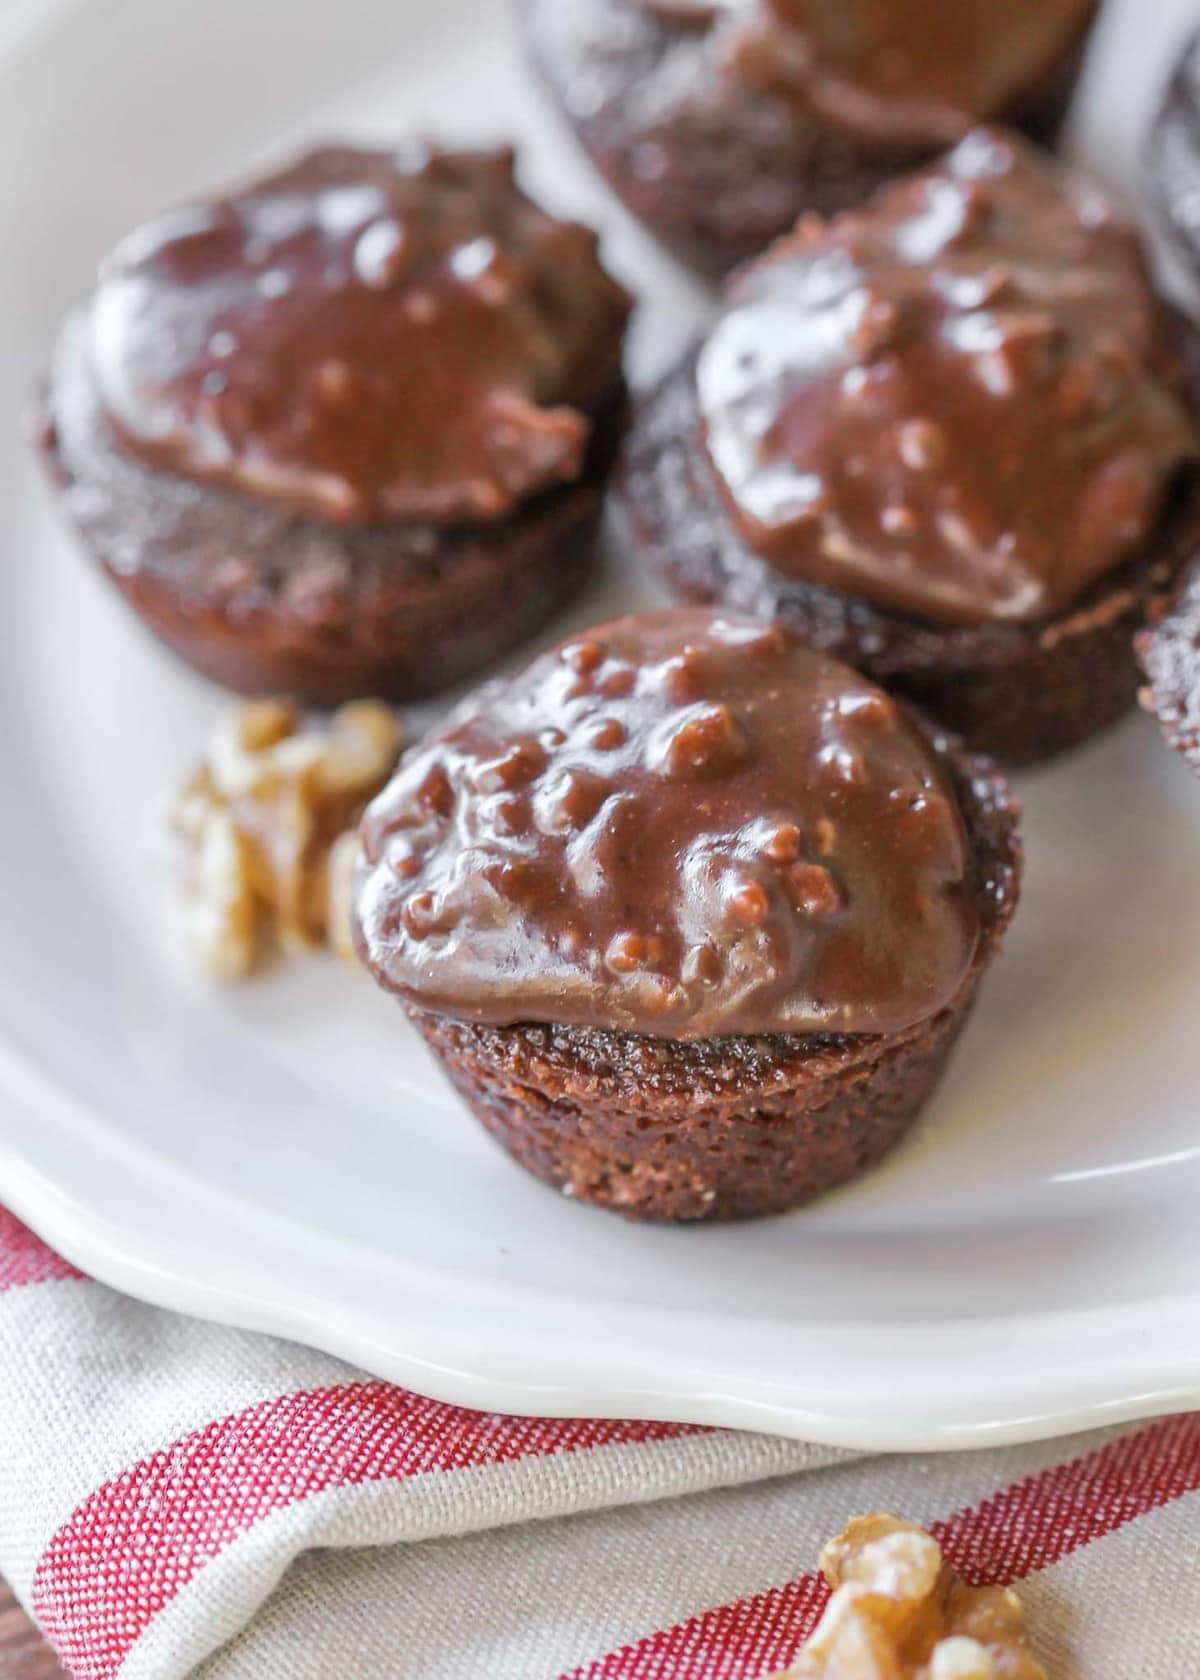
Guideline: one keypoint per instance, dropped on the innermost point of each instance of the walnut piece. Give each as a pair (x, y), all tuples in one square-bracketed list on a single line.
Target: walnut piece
[(899, 1612), (269, 825)]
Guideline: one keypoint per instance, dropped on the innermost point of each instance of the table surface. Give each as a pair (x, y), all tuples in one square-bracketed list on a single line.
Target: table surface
[(24, 1654)]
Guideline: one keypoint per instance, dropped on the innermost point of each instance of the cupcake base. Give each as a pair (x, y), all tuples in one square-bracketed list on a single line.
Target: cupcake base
[(666, 1131), (1020, 693), (267, 603), (732, 1128), (729, 169)]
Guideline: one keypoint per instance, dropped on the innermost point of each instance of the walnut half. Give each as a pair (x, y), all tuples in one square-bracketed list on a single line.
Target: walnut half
[(268, 825), (899, 1612)]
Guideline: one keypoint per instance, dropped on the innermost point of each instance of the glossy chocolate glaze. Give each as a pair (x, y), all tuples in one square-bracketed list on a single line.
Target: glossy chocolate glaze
[(365, 338), (961, 403), (685, 825), (899, 71)]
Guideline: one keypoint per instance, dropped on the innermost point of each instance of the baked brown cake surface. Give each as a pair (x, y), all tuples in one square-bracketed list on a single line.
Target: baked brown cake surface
[(347, 430), (720, 124), (950, 439), (691, 915)]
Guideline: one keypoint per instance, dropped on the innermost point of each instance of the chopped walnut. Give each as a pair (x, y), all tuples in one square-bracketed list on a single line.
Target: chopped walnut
[(899, 1612), (269, 826)]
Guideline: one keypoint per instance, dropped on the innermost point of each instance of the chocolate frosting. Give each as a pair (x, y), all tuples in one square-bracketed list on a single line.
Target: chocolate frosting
[(684, 825), (896, 71), (961, 403), (367, 337)]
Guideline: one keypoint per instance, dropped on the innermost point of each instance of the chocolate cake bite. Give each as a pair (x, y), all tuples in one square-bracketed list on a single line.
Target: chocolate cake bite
[(690, 913), (948, 438), (719, 122), (345, 431)]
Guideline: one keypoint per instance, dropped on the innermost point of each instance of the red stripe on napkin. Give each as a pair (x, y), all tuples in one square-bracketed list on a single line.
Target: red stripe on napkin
[(1037, 1522), (1018, 1531), (25, 1258), (130, 1547)]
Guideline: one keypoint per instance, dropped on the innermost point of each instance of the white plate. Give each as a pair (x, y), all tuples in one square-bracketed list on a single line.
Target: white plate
[(285, 1157)]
